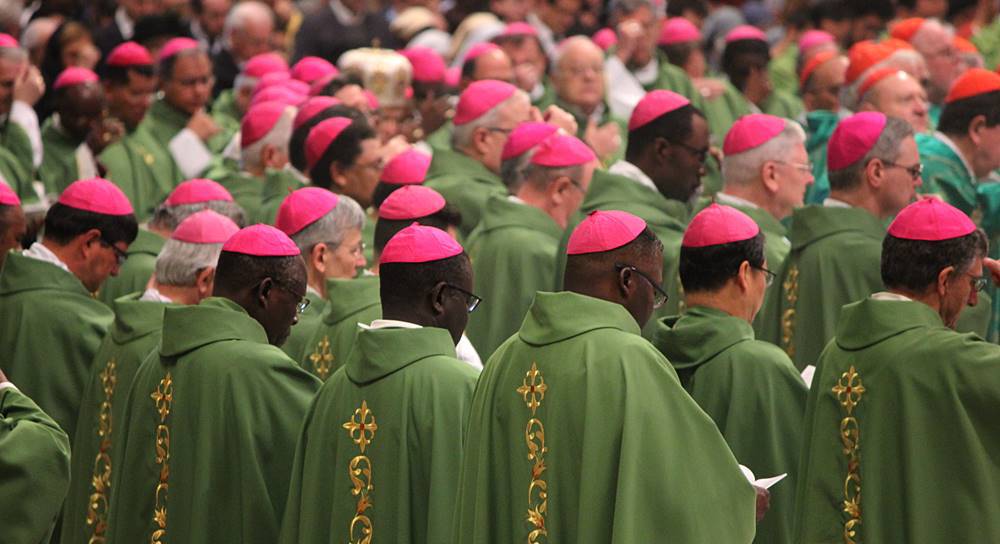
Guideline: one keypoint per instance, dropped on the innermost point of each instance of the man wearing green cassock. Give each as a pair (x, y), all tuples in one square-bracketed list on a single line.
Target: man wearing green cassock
[(514, 248), (575, 393), (21, 86), (185, 271), (834, 260), (34, 454), (750, 388), (821, 79), (899, 427), (50, 323), (203, 450), (396, 411)]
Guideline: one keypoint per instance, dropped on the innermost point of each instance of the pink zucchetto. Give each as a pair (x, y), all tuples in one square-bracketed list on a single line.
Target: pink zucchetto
[(7, 196), (259, 120), (428, 67), (745, 32), (74, 76), (129, 54), (265, 63), (6, 40), (277, 93), (524, 137), (406, 168), (196, 191), (309, 69), (311, 108), (562, 150), (653, 105), (813, 38), (853, 138), (261, 241), (303, 208), (411, 202), (716, 225), (751, 131), (96, 195), (321, 136), (453, 76), (519, 29), (479, 98), (605, 38), (479, 49), (678, 30), (176, 45), (419, 244), (931, 220), (205, 227), (604, 231)]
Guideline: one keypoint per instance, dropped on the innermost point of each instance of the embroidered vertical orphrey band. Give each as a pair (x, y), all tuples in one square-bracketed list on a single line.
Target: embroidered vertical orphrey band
[(849, 391), (361, 428), (791, 290), (532, 390), (100, 481), (163, 398)]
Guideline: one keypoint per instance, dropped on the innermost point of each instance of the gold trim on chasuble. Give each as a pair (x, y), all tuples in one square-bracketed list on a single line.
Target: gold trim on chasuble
[(163, 398), (361, 428), (322, 359), (791, 290), (100, 481), (532, 390), (849, 391)]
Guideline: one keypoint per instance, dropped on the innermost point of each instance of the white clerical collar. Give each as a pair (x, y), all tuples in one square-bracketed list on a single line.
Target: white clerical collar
[(309, 289), (831, 202), (885, 295), (125, 23), (632, 172), (152, 294), (39, 252), (731, 200), (344, 15), (951, 144), (515, 199), (390, 324), (648, 73)]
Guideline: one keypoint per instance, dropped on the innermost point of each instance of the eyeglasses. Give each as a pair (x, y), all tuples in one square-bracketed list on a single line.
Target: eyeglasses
[(301, 305), (806, 168), (506, 131), (119, 254), (769, 279), (659, 295), (978, 282), (700, 154), (472, 300), (915, 171)]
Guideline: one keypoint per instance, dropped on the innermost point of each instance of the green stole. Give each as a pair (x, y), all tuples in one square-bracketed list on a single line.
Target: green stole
[(751, 390), (899, 429), (349, 302), (819, 127), (577, 427), (143, 169), (303, 331), (465, 183), (513, 252), (58, 168), (205, 445), (138, 268), (381, 448)]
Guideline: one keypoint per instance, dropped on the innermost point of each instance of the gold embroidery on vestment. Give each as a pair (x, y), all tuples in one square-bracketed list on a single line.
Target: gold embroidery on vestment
[(322, 359), (100, 481), (532, 391), (791, 290), (849, 391), (361, 428), (163, 398)]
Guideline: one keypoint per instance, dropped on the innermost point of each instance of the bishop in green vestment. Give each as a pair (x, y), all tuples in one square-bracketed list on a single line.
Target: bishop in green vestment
[(75, 133), (212, 415), (135, 272), (16, 166), (349, 302)]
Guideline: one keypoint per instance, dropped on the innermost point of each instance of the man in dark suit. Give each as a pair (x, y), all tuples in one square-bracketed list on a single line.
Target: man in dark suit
[(246, 32), (341, 25), (122, 27)]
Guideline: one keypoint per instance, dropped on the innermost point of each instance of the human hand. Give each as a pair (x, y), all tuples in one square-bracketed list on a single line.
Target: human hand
[(30, 86), (202, 124)]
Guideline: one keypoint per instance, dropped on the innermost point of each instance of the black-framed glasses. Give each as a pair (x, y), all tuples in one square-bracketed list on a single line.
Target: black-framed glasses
[(769, 276), (699, 153), (915, 171), (979, 283), (472, 301), (302, 305), (120, 255), (659, 295)]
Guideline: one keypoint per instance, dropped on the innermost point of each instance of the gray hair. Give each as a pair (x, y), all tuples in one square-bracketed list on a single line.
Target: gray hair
[(924, 37), (179, 263), (461, 135), (38, 32), (169, 217), (330, 228), (743, 168), (886, 149), (242, 14), (567, 44), (13, 54), (512, 170), (278, 136), (540, 177)]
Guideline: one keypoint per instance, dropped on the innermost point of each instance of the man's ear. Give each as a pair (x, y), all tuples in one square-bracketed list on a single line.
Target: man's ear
[(90, 241), (874, 173), (263, 292), (338, 176), (205, 282), (976, 126), (437, 298), (944, 276), (626, 282), (769, 175), (479, 141), (558, 189), (317, 257), (743, 276)]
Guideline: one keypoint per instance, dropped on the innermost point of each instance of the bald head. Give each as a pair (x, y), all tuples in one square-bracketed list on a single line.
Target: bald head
[(247, 29), (80, 107), (934, 41), (578, 73), (492, 64), (898, 95)]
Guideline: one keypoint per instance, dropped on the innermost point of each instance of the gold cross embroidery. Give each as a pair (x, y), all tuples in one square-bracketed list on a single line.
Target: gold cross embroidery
[(322, 359), (362, 426), (533, 388)]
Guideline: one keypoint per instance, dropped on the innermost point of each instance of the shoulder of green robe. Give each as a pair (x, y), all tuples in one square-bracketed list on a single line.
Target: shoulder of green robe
[(23, 274), (813, 223), (346, 297)]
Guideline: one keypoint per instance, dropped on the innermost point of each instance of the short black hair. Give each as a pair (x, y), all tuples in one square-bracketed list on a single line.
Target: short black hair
[(166, 25), (709, 268), (675, 126), (741, 57), (423, 89), (956, 116), (676, 8), (297, 142), (678, 53), (344, 151), (883, 9), (914, 265), (585, 268), (339, 82), (382, 192), (63, 224), (236, 272), (121, 75), (385, 229), (166, 66), (829, 10), (403, 283)]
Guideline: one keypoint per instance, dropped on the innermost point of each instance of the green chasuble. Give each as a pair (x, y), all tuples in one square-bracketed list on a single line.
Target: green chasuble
[(441, 138), (206, 439), (277, 185), (13, 138), (163, 122), (382, 444), (34, 464), (16, 176), (58, 168), (225, 113), (138, 268), (835, 259), (349, 302), (945, 174), (673, 78), (987, 40), (784, 76), (305, 329), (900, 437), (753, 393), (134, 334), (513, 252), (819, 127), (50, 329), (581, 432), (465, 183), (245, 188), (143, 169), (776, 243), (723, 110), (782, 104)]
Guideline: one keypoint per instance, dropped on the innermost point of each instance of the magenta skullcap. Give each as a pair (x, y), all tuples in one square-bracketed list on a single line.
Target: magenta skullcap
[(270, 79), (309, 69), (175, 46), (419, 244), (519, 28), (562, 150), (74, 76), (311, 108), (259, 120), (604, 231), (277, 93), (931, 220), (812, 38), (372, 100), (745, 32), (411, 202), (678, 30), (321, 136), (716, 225), (428, 67), (653, 105), (303, 207), (853, 138), (605, 38), (479, 49), (129, 54), (481, 97), (316, 87), (453, 76), (261, 241), (96, 195), (205, 227), (406, 168), (197, 191), (6, 40), (7, 196), (265, 63), (751, 131), (524, 137)]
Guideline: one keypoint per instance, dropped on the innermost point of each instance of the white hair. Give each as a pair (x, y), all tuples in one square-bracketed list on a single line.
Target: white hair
[(243, 81), (330, 228), (927, 36), (278, 137), (743, 168), (512, 170), (179, 263), (461, 136), (242, 14), (169, 217), (570, 42)]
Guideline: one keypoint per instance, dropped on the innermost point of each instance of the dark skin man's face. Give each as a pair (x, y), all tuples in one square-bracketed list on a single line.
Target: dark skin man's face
[(190, 87), (683, 163), (83, 108), (128, 103)]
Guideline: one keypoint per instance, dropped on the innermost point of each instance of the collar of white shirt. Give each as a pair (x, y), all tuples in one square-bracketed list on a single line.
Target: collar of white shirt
[(632, 172), (44, 254), (648, 73), (153, 294), (834, 203), (885, 295), (730, 200), (390, 324)]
